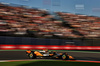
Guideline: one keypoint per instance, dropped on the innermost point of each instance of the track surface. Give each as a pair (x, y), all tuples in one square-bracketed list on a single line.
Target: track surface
[(21, 55)]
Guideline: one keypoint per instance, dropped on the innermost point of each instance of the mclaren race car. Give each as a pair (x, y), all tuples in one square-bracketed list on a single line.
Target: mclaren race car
[(48, 54)]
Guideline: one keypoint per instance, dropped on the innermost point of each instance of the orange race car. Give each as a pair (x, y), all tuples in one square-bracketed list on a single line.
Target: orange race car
[(48, 54)]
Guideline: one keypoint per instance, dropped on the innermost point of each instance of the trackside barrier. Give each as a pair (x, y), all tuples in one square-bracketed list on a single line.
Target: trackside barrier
[(6, 40), (52, 47)]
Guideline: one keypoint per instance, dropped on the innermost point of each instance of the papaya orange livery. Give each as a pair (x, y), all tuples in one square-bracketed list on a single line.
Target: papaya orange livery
[(38, 53), (48, 54), (28, 51)]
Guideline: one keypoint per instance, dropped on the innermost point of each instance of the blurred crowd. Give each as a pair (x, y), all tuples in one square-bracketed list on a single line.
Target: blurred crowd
[(40, 23), (23, 21), (87, 26)]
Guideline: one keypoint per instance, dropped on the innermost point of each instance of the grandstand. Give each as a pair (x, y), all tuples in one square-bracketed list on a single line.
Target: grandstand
[(38, 23), (87, 26), (31, 22)]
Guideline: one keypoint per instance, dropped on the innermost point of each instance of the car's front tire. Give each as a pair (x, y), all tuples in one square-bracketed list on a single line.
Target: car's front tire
[(65, 56)]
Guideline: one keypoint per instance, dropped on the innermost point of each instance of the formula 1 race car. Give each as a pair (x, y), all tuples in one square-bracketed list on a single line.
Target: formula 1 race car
[(48, 54)]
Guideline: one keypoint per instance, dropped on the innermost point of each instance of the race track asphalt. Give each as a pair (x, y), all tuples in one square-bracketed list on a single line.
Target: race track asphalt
[(21, 55)]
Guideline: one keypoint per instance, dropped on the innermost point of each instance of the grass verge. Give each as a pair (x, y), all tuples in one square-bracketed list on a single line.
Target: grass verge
[(47, 63)]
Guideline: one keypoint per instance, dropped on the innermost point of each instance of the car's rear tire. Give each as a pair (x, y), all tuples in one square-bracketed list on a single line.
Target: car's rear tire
[(32, 55)]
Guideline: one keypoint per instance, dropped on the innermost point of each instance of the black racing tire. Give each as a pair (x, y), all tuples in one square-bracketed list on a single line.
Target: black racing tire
[(32, 55), (65, 56)]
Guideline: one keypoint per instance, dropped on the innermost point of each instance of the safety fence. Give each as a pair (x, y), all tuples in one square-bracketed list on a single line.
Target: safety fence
[(5, 40), (11, 43)]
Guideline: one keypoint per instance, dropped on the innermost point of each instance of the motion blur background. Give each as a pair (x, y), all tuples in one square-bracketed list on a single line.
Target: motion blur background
[(50, 22)]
